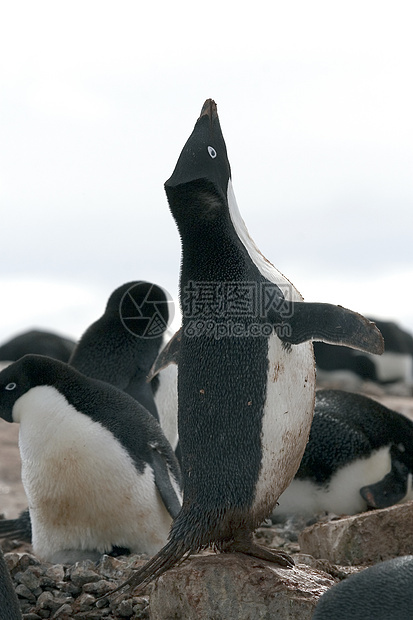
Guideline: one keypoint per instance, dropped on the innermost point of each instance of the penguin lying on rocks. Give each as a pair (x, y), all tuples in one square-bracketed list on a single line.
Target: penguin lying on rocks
[(246, 378), (97, 470), (382, 592), (359, 456)]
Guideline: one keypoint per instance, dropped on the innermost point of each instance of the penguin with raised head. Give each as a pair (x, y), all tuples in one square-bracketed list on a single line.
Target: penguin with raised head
[(246, 378), (97, 470), (382, 592), (359, 455)]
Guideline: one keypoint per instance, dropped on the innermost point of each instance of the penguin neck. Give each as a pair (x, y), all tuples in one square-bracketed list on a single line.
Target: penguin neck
[(215, 254)]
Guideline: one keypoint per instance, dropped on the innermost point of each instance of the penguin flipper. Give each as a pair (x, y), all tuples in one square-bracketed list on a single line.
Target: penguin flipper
[(163, 481), (20, 528), (168, 355), (299, 322)]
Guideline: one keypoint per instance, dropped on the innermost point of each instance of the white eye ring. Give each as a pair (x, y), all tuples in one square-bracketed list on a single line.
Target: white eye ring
[(212, 152), (10, 386)]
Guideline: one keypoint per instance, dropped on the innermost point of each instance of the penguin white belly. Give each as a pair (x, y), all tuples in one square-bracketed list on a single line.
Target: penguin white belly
[(288, 413), (166, 400), (341, 495), (289, 404), (83, 488)]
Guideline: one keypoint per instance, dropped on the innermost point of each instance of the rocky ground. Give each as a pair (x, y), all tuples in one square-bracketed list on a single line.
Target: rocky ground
[(62, 592)]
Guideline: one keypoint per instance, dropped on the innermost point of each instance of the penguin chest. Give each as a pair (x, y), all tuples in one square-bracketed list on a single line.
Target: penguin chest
[(83, 488), (286, 421)]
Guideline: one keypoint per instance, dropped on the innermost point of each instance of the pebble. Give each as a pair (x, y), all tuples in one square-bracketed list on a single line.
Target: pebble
[(59, 592)]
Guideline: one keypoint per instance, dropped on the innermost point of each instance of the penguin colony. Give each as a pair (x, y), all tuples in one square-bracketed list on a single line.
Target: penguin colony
[(246, 389)]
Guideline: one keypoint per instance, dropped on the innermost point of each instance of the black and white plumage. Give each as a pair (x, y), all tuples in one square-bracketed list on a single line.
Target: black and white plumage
[(245, 397), (96, 467), (359, 456), (382, 592)]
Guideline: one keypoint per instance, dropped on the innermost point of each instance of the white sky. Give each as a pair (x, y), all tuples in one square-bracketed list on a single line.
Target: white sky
[(98, 98)]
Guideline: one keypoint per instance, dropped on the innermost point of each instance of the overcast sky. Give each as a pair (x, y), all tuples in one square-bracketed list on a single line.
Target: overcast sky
[(98, 98)]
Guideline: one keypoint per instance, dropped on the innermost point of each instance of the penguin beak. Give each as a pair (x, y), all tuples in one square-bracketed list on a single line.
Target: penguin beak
[(209, 109)]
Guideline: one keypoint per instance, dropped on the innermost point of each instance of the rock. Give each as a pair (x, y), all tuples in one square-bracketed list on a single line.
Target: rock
[(236, 587), (366, 538), (82, 573)]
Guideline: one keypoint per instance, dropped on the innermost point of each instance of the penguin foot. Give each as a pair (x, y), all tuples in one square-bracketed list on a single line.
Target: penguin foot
[(248, 547)]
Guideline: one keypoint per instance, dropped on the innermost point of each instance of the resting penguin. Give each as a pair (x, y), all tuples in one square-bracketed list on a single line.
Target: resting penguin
[(9, 604), (37, 341), (96, 467), (382, 592), (359, 456), (246, 369)]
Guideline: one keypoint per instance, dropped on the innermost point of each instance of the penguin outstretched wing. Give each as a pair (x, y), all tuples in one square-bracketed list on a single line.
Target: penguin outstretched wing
[(297, 322)]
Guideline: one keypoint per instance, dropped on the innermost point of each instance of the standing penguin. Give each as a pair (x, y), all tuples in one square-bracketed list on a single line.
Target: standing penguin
[(96, 467), (359, 455), (246, 379)]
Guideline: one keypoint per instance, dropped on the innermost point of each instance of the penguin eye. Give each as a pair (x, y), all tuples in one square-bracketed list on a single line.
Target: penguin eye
[(10, 386), (212, 152)]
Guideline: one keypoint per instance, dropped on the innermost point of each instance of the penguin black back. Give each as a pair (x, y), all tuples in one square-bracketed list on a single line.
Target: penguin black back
[(356, 426), (122, 345), (382, 592)]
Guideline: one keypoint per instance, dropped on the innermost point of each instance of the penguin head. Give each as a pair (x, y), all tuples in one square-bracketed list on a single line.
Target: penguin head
[(19, 377), (197, 189)]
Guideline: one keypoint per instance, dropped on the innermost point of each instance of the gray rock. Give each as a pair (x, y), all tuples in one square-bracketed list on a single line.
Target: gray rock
[(366, 538), (85, 601), (29, 579), (82, 573), (64, 612), (99, 588), (236, 587), (23, 591)]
